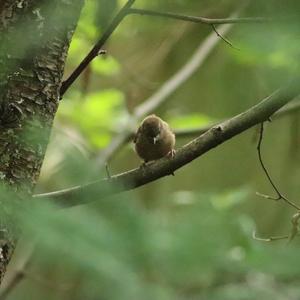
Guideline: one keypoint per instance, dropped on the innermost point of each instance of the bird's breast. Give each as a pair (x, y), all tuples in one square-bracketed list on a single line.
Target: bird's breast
[(148, 151)]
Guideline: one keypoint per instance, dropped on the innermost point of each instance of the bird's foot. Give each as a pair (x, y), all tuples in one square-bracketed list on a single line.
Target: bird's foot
[(171, 153)]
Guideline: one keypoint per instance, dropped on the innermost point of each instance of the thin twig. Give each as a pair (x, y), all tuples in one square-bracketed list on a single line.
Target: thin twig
[(295, 226), (223, 38), (162, 94), (294, 232), (269, 239), (208, 21), (95, 50), (165, 166), (279, 194), (191, 66)]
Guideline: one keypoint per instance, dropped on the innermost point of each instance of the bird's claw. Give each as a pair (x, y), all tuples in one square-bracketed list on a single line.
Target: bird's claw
[(171, 153)]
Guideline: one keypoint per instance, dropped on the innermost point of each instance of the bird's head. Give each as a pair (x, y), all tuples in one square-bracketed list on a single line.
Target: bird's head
[(151, 127)]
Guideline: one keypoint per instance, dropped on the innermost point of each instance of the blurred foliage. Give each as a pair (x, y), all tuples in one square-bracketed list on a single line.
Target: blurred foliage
[(101, 113), (187, 248), (279, 51), (189, 236), (190, 121)]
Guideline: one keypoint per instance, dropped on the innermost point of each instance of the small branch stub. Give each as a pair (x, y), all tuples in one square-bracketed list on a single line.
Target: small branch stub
[(102, 52)]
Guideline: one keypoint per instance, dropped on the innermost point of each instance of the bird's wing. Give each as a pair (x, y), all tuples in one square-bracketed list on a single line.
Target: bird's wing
[(136, 135), (166, 125)]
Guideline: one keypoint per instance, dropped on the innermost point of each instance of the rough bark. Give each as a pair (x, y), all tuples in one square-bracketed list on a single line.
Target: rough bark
[(34, 39)]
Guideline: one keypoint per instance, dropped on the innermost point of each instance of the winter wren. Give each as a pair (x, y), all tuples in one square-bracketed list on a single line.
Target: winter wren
[(154, 139)]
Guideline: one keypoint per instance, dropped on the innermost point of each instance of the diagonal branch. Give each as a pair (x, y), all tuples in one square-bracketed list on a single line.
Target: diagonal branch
[(193, 132), (166, 166), (202, 20), (96, 49), (163, 93), (127, 10), (287, 110)]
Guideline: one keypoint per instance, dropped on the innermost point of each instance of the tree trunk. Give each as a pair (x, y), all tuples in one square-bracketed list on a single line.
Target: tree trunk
[(34, 39)]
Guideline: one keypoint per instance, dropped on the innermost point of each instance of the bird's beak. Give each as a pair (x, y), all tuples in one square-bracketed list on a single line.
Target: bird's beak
[(155, 139)]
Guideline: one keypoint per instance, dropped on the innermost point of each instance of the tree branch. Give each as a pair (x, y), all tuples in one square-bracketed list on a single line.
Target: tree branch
[(222, 37), (202, 20), (293, 233), (192, 132), (96, 49), (166, 166), (279, 195), (127, 10), (162, 94), (269, 239)]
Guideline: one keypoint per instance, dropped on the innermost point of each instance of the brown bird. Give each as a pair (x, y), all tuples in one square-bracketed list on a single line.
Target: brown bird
[(154, 139)]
